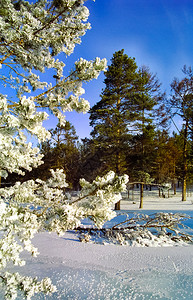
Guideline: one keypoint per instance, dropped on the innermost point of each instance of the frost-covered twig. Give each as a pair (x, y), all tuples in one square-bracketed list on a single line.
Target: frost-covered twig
[(159, 229), (32, 35), (29, 207)]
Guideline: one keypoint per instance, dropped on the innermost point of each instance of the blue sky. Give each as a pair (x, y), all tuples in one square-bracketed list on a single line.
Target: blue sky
[(158, 33)]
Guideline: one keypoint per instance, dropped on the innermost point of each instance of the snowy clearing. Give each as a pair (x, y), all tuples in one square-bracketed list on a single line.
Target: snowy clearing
[(95, 271), (152, 201)]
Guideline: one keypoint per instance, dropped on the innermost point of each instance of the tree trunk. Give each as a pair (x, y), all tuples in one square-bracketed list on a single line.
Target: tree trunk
[(141, 195), (174, 188), (133, 193), (129, 187), (174, 177), (184, 189), (118, 156), (118, 205), (184, 179)]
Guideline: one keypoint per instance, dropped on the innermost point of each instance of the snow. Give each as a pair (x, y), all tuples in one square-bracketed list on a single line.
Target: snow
[(96, 271), (152, 201), (91, 271)]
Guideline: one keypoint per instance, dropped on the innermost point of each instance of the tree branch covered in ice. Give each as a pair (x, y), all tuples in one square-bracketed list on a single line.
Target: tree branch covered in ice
[(27, 208), (32, 35), (159, 229)]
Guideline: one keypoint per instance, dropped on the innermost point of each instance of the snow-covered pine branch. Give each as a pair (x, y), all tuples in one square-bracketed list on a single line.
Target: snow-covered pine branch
[(32, 34), (141, 230)]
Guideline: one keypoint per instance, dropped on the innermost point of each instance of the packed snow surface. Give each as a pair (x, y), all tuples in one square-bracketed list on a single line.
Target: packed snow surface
[(93, 271), (96, 271)]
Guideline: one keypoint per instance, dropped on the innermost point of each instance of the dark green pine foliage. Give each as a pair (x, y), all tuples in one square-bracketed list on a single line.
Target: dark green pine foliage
[(150, 117), (90, 165), (124, 111), (141, 154), (111, 114), (64, 152)]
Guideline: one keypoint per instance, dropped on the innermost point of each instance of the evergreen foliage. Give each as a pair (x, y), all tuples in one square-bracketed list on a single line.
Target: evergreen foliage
[(32, 34), (126, 115), (64, 152), (110, 115)]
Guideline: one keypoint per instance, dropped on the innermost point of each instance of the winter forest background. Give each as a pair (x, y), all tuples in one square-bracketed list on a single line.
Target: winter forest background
[(130, 141), (131, 131)]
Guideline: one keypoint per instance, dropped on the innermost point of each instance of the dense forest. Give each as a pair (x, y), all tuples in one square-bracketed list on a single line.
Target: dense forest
[(130, 131)]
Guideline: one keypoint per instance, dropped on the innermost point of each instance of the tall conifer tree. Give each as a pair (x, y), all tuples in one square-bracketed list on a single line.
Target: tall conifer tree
[(126, 104), (181, 104), (125, 109), (110, 115)]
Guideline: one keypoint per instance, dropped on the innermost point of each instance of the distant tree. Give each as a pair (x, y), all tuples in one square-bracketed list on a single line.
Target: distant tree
[(90, 157), (141, 153), (175, 158), (168, 157), (63, 134), (181, 104), (61, 151)]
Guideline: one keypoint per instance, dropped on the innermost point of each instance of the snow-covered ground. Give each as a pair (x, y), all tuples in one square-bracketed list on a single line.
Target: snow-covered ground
[(152, 201), (95, 271)]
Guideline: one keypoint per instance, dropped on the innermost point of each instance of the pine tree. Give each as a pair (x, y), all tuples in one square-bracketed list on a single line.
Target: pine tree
[(65, 153), (91, 164), (126, 107), (128, 111), (168, 156), (110, 115), (142, 152), (181, 104)]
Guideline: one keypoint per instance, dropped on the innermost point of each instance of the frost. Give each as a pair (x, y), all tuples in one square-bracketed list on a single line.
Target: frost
[(32, 36), (156, 230)]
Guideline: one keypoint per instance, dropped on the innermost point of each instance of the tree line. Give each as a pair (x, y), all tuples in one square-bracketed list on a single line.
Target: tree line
[(130, 131)]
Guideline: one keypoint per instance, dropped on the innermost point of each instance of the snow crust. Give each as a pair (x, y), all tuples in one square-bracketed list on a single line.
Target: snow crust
[(95, 271)]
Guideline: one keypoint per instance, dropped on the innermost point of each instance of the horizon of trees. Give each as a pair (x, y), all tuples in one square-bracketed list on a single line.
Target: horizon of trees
[(130, 133)]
